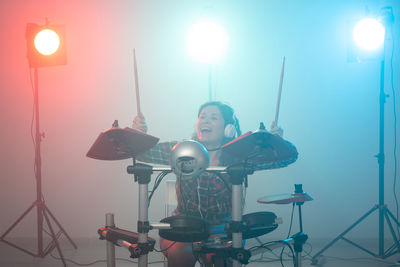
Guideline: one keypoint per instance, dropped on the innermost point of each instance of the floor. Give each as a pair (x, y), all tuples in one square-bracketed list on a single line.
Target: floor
[(92, 252)]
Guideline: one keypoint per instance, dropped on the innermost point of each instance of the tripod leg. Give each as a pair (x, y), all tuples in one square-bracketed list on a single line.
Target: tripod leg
[(340, 236), (18, 220), (54, 237), (59, 226), (20, 248), (396, 244), (392, 216)]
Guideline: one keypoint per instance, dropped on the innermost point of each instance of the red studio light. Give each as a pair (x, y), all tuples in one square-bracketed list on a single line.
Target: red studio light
[(45, 45)]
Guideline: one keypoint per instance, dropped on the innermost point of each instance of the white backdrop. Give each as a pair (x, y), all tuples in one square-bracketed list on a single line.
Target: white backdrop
[(329, 107)]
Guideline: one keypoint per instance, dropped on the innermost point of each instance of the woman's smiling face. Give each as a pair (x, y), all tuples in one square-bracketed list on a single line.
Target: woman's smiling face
[(210, 127)]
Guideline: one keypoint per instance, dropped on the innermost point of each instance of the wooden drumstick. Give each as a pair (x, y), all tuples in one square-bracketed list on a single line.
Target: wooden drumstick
[(136, 83), (278, 101)]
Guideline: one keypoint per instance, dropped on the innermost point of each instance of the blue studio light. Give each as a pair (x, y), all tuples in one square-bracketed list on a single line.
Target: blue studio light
[(207, 42), (369, 34)]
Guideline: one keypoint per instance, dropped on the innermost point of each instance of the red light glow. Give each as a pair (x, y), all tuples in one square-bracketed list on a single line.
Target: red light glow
[(47, 42)]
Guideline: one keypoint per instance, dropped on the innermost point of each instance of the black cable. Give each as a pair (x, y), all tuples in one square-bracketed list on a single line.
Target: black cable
[(157, 182), (182, 195), (163, 250), (267, 259), (274, 254), (395, 132), (307, 253), (278, 257), (281, 257), (33, 105), (77, 263), (291, 221), (262, 245), (33, 120), (293, 257), (269, 250), (290, 229), (98, 261), (264, 258)]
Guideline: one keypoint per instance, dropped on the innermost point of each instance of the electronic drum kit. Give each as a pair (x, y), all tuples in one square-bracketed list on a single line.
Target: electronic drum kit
[(252, 148)]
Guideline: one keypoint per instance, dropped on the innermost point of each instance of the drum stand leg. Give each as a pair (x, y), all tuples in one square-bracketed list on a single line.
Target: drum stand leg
[(297, 259), (237, 175), (298, 246), (299, 238), (142, 174), (237, 241), (110, 245), (143, 220)]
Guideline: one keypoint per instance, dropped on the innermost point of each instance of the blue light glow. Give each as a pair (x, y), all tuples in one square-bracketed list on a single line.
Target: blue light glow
[(207, 42), (369, 34)]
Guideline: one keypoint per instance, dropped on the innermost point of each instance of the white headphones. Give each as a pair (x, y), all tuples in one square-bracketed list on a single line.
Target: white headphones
[(230, 131)]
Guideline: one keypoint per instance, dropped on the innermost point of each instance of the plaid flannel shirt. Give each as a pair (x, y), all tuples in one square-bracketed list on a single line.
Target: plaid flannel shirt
[(209, 195)]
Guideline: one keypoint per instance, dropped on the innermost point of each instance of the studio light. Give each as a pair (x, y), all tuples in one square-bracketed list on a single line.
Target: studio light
[(47, 42), (45, 45), (207, 42), (368, 34)]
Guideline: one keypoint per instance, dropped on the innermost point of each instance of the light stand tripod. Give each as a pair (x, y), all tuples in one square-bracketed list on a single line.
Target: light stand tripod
[(384, 212), (43, 212)]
